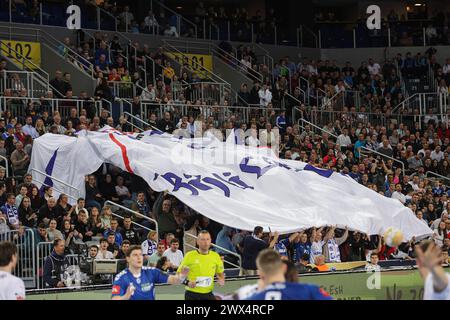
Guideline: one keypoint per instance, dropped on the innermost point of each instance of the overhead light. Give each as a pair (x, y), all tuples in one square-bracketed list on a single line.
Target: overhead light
[(179, 8), (418, 4), (408, 8)]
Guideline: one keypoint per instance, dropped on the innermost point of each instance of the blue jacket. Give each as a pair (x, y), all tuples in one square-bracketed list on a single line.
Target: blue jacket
[(54, 267), (223, 240)]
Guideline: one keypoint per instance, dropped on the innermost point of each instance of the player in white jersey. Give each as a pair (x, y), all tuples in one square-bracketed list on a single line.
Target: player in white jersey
[(11, 287), (437, 281)]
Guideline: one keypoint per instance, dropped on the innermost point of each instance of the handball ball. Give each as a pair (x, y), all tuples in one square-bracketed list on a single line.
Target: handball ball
[(393, 237)]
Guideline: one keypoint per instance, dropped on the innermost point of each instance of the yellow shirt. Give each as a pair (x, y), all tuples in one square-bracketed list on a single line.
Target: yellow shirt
[(169, 72), (202, 269)]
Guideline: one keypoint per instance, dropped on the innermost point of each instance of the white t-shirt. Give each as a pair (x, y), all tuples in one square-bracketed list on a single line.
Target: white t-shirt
[(374, 69), (316, 250), (104, 255), (122, 191), (437, 155), (430, 294), (11, 287), (174, 257)]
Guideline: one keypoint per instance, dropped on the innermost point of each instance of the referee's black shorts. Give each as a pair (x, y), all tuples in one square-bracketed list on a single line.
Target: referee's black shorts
[(189, 295)]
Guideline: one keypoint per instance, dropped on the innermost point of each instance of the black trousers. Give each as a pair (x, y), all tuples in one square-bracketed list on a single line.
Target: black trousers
[(189, 295)]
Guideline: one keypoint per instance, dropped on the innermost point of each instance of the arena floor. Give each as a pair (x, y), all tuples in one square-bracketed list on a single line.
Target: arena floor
[(398, 284)]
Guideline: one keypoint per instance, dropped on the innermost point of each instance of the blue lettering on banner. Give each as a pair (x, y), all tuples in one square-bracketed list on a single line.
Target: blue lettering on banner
[(196, 183), (245, 167), (323, 172)]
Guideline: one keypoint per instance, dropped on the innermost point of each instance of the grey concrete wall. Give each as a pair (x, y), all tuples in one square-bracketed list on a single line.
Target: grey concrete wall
[(51, 61), (227, 73)]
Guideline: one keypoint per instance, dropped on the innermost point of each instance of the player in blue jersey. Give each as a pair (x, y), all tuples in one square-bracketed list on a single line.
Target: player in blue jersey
[(272, 272), (137, 282)]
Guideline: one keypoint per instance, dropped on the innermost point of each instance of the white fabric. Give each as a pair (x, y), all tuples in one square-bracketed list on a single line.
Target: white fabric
[(286, 196), (399, 196), (11, 287), (174, 257), (430, 294)]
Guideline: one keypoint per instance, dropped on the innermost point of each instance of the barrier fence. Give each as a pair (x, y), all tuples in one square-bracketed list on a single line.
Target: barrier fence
[(218, 114), (26, 263), (324, 117), (18, 81), (18, 105)]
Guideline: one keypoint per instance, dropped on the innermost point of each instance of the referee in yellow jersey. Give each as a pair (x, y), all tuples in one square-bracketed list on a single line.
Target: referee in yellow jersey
[(204, 265)]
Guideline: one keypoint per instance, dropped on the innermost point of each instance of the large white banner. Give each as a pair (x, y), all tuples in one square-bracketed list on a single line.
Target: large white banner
[(238, 186)]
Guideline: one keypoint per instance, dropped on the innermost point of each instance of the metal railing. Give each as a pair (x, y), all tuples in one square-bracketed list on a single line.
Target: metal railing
[(123, 89), (17, 105), (17, 81), (132, 222), (218, 113), (209, 92), (167, 44), (437, 175), (39, 35), (362, 148), (26, 261), (367, 150), (421, 102), (73, 195), (239, 265), (144, 123), (6, 167), (135, 213), (43, 250), (180, 18)]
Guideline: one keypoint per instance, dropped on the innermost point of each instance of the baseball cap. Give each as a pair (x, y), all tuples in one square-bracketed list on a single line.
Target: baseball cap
[(9, 126)]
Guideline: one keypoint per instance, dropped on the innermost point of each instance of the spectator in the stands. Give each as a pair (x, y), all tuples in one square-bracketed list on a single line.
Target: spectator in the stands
[(93, 196), (23, 190), (123, 250), (174, 255), (157, 255), (83, 227), (112, 245), (149, 246), (52, 231), (103, 252), (102, 65), (59, 85), (55, 265), (10, 212), (27, 215), (129, 232), (28, 128), (19, 160), (150, 23), (114, 229), (48, 211), (252, 245), (102, 91), (126, 18)]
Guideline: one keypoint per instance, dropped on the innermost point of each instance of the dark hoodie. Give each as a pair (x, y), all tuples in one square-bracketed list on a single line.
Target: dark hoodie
[(54, 267)]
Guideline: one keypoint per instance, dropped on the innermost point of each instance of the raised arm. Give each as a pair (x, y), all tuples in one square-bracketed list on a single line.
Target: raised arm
[(274, 239)]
